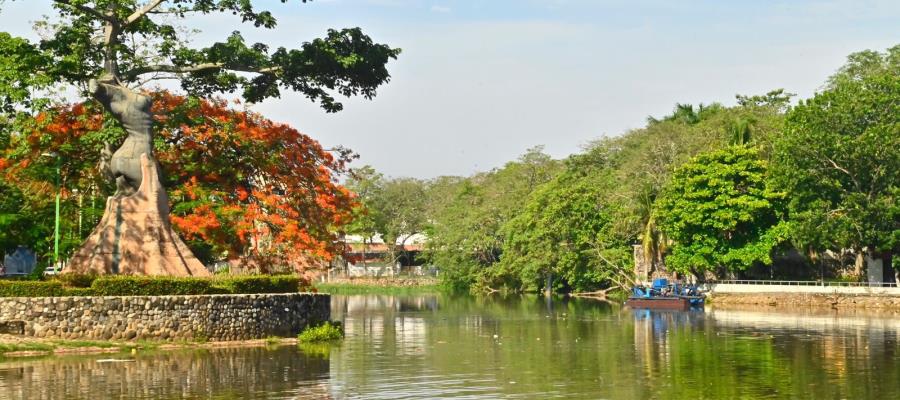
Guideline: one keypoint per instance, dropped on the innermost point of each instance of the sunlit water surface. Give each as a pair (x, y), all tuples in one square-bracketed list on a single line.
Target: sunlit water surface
[(434, 346)]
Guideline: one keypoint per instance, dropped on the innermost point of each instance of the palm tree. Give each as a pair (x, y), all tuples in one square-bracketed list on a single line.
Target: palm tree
[(739, 132), (653, 240)]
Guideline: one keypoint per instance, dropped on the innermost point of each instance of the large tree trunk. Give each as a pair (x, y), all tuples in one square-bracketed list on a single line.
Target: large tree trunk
[(859, 264)]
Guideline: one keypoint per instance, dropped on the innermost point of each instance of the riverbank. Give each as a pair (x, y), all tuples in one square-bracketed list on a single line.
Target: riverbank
[(381, 285), (13, 346), (840, 301)]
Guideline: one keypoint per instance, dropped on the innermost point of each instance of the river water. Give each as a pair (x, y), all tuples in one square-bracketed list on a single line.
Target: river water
[(435, 346)]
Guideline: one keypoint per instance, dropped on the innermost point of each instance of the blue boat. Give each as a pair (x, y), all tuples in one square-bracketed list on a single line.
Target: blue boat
[(665, 295)]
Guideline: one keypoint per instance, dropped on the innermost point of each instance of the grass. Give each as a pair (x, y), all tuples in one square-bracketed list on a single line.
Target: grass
[(345, 288), (327, 332), (273, 341), (27, 346), (61, 347)]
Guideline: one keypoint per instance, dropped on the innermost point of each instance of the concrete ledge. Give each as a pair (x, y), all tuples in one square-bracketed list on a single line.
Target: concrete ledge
[(726, 288), (212, 317), (794, 300)]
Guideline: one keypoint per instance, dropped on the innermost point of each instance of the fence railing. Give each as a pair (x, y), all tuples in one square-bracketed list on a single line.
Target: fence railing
[(805, 283)]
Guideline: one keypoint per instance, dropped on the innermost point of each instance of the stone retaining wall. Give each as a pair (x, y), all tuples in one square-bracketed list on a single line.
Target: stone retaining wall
[(737, 288), (213, 317), (840, 301)]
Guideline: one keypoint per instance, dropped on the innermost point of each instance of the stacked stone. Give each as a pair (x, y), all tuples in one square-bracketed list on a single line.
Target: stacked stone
[(216, 317)]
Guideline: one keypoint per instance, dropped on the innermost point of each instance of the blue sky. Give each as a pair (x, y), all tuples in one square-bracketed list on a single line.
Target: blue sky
[(479, 82)]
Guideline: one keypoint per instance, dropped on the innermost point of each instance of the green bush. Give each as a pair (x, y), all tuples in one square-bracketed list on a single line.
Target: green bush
[(322, 333), (248, 284), (75, 280), (78, 291), (31, 289), (150, 286), (127, 285)]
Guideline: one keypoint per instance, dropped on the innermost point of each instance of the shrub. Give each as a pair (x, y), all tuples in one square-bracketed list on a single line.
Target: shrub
[(259, 284), (31, 289), (78, 291), (150, 286), (322, 333), (76, 280), (129, 285)]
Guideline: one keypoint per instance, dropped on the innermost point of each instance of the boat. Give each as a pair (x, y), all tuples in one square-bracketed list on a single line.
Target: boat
[(659, 302), (665, 296)]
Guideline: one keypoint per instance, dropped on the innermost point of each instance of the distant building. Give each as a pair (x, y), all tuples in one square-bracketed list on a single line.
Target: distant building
[(20, 262), (373, 257)]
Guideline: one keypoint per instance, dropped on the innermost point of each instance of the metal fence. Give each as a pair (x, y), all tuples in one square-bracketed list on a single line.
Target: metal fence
[(806, 283)]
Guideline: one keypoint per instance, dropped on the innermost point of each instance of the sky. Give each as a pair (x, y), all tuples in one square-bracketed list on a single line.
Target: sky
[(480, 82)]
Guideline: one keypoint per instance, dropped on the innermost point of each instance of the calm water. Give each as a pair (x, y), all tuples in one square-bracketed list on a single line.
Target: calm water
[(523, 347)]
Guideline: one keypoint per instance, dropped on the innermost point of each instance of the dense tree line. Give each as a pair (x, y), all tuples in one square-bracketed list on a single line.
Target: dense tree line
[(710, 190)]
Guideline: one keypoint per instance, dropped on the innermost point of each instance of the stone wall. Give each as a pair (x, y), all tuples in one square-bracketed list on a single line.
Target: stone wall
[(214, 317), (838, 301), (739, 288)]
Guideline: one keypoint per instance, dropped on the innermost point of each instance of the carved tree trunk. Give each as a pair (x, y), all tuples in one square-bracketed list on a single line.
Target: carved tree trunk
[(135, 236)]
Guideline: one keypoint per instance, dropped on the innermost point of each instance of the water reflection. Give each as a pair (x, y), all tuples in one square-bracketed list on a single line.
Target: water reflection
[(433, 346), (228, 373), (796, 353)]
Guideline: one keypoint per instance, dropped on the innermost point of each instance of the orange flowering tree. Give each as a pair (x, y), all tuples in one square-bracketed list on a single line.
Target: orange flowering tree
[(240, 185)]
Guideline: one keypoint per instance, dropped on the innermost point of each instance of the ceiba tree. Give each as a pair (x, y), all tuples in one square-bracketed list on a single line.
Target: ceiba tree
[(89, 41), (88, 45)]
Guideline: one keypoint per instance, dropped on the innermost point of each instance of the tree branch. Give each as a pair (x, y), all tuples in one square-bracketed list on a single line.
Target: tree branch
[(86, 10), (173, 69), (143, 11), (839, 168)]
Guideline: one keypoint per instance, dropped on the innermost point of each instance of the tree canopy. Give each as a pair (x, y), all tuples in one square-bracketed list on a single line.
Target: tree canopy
[(840, 158), (721, 213), (137, 41)]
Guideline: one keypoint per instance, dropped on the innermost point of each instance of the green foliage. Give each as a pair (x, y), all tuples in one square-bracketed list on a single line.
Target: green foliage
[(123, 285), (259, 284), (392, 208), (160, 285), (79, 291), (688, 114), (75, 280), (133, 45), (17, 56), (721, 213), (839, 158), (467, 215), (557, 232), (18, 220), (470, 227), (126, 285), (30, 289), (366, 183), (326, 332)]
